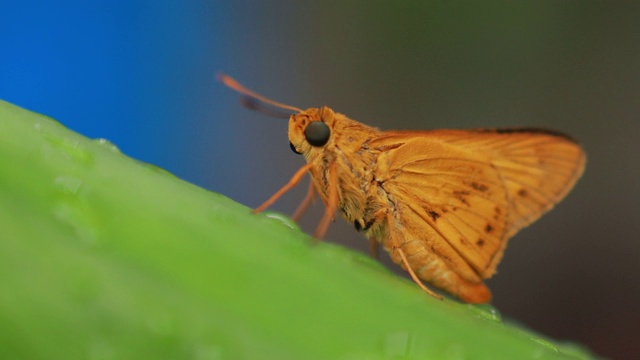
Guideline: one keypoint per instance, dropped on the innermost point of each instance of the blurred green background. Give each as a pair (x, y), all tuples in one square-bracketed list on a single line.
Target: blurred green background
[(142, 75)]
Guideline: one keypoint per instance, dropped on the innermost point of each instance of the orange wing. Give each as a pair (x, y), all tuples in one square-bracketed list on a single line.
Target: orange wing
[(462, 194)]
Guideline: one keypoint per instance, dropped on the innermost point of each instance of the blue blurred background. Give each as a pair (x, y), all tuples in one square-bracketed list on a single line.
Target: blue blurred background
[(142, 74)]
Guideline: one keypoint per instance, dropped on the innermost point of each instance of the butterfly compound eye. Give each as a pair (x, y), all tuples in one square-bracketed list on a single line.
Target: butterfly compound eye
[(317, 133)]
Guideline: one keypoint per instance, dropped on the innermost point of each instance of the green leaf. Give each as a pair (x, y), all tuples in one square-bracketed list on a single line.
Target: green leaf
[(105, 257)]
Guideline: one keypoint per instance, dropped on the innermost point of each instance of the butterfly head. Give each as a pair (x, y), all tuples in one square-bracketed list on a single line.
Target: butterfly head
[(311, 130)]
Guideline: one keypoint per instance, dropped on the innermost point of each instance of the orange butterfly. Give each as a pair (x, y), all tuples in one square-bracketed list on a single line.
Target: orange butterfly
[(443, 203)]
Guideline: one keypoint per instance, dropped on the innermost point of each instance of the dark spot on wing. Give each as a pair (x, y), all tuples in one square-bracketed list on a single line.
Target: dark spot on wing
[(488, 229), (523, 193), (434, 215), (479, 187), (480, 242), (462, 196), (497, 212)]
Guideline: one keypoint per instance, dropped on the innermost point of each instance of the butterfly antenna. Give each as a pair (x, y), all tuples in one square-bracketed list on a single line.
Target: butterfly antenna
[(256, 105), (233, 84)]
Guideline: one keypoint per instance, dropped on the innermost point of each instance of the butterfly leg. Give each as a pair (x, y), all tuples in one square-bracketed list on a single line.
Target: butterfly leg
[(295, 179), (305, 202), (415, 277), (373, 248), (331, 204)]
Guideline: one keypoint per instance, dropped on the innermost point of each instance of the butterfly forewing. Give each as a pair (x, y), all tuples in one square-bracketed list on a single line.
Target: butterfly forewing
[(537, 167)]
